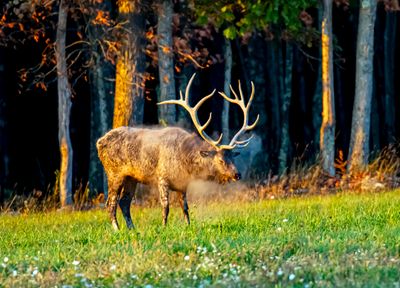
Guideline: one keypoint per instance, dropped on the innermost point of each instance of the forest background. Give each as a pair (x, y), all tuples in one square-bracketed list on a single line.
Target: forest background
[(325, 76)]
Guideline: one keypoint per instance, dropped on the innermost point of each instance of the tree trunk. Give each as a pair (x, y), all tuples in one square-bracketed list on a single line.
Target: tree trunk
[(255, 66), (317, 99), (129, 82), (274, 103), (227, 91), (183, 79), (166, 113), (327, 132), (100, 112), (360, 126), (286, 84), (389, 76), (3, 122), (64, 109), (100, 121)]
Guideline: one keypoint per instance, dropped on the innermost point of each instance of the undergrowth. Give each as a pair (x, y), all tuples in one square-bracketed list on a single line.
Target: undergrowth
[(382, 174)]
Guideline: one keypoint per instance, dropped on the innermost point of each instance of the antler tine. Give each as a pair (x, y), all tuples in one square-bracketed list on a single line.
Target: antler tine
[(184, 102), (188, 88), (251, 95), (197, 106), (245, 108), (240, 91), (233, 92)]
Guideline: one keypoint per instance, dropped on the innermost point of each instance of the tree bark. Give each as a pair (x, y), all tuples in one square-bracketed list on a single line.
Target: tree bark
[(101, 106), (327, 132), (227, 91), (64, 109), (183, 79), (274, 87), (3, 126), (255, 66), (360, 127), (100, 122), (317, 99), (389, 75), (129, 82), (166, 113), (286, 85)]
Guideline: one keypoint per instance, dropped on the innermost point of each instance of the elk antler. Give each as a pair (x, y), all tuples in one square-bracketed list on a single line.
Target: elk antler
[(184, 102), (239, 100)]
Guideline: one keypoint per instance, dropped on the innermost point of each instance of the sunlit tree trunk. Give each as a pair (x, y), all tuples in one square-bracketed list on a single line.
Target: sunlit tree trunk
[(64, 109), (129, 82), (285, 105), (227, 91), (360, 127), (327, 132), (166, 113)]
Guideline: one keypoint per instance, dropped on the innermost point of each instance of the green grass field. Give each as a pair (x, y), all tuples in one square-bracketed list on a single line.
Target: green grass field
[(339, 240)]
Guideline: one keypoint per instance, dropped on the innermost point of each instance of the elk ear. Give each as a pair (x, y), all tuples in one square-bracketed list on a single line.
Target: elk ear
[(205, 154)]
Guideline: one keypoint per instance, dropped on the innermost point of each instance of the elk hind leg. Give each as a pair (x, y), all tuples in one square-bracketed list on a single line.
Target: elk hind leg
[(126, 200), (114, 189), (184, 205)]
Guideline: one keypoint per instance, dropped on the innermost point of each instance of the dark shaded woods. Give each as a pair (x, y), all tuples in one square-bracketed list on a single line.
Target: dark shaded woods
[(29, 152)]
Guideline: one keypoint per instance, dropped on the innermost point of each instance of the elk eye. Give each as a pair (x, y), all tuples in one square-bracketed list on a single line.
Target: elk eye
[(208, 153)]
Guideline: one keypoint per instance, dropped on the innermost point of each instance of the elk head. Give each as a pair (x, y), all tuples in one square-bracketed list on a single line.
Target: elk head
[(215, 159)]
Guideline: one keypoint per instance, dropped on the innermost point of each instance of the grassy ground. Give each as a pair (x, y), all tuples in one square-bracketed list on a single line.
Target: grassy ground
[(340, 240)]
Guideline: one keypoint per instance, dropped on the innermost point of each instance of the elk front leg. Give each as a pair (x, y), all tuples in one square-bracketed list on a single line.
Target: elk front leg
[(184, 206), (163, 189), (126, 200)]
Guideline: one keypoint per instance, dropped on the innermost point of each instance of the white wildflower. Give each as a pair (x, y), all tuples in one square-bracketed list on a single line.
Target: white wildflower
[(14, 273), (35, 272), (186, 258), (75, 262), (113, 267), (78, 275), (5, 260), (291, 277), (285, 220), (280, 272), (134, 276), (279, 229)]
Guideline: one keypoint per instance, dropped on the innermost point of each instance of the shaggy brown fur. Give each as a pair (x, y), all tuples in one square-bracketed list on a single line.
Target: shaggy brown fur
[(168, 159)]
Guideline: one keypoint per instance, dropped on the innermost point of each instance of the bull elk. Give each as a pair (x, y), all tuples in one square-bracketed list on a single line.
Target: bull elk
[(168, 158)]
